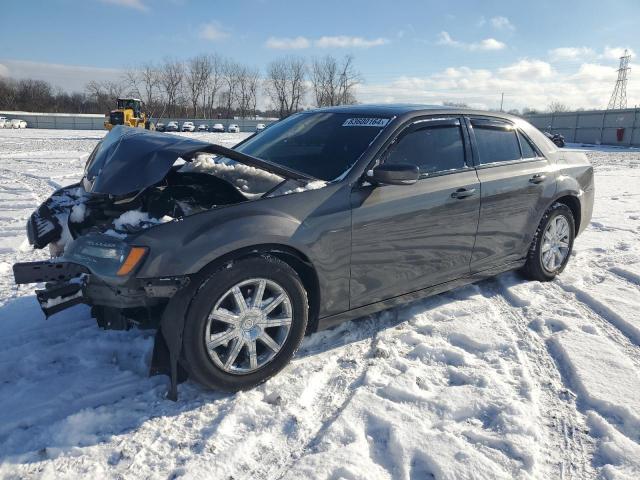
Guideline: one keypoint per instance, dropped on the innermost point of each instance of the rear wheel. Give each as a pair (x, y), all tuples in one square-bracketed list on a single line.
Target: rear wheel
[(244, 324), (552, 244)]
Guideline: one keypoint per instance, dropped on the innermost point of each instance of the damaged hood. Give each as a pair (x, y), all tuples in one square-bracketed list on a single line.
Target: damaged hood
[(128, 160)]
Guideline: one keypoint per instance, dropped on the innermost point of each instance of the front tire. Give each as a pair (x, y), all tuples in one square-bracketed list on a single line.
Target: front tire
[(552, 244), (245, 324)]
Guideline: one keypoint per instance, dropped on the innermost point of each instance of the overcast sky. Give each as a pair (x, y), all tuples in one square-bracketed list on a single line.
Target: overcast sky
[(415, 51)]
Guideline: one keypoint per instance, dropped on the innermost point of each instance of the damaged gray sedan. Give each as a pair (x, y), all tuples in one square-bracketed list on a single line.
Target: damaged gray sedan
[(328, 215)]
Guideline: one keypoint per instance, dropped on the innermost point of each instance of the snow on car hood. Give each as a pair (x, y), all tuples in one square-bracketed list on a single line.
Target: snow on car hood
[(128, 160)]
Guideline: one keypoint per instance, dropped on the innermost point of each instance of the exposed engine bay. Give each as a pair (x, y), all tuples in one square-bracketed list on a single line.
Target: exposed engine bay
[(71, 211)]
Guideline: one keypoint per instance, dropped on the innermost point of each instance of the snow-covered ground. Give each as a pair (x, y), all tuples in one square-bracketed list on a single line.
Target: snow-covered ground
[(503, 379)]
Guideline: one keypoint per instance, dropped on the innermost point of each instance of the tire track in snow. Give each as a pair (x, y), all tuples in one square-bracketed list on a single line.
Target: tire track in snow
[(601, 315), (343, 392), (331, 374), (567, 448)]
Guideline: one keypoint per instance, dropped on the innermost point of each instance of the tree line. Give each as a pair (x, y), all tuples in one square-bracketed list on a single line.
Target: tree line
[(204, 86)]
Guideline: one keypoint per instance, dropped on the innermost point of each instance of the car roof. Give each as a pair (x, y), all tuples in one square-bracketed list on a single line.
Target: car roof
[(398, 109)]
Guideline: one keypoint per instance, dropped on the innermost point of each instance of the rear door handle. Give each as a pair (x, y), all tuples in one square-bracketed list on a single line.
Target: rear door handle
[(538, 178), (463, 193)]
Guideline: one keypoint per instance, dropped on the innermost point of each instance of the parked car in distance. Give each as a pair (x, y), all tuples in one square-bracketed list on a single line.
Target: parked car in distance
[(260, 127), (217, 127), (233, 128), (17, 123), (556, 138), (172, 127), (203, 127), (3, 121), (188, 127), (160, 127), (392, 203)]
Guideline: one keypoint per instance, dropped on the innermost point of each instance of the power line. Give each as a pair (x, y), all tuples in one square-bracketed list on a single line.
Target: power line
[(619, 96)]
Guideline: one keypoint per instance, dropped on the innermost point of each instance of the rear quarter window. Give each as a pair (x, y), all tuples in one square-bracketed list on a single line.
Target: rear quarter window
[(528, 151), (542, 142)]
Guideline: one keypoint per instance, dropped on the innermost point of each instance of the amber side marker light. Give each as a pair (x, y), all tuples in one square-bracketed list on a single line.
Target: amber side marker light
[(136, 254)]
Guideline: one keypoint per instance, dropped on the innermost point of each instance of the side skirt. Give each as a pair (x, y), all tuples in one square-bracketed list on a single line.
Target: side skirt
[(333, 320)]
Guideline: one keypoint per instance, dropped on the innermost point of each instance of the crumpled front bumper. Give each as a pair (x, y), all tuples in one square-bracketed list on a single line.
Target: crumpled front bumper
[(69, 283), (65, 283)]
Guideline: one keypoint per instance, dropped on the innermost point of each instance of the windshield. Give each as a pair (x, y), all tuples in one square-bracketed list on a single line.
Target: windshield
[(321, 144)]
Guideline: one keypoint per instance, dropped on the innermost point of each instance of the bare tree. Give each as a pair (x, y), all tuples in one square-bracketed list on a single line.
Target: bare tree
[(213, 83), (348, 79), (230, 75), (8, 94), (144, 83), (150, 82), (130, 77), (323, 80), (104, 94), (556, 107), (171, 76), (246, 90), (334, 83), (198, 72), (285, 84)]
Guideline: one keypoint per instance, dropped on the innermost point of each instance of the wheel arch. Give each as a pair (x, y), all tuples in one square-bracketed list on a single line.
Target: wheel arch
[(292, 257), (573, 202)]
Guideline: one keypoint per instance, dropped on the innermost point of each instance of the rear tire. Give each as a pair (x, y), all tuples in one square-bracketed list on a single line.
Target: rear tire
[(230, 343), (552, 244)]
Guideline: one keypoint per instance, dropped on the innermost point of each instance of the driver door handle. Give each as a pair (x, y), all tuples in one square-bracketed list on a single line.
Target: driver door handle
[(463, 193), (538, 178)]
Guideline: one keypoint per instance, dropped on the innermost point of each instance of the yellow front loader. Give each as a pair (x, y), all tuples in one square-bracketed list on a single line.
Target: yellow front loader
[(129, 112)]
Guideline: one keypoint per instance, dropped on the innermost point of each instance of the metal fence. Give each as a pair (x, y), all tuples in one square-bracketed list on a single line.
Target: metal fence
[(80, 121), (607, 127), (71, 121)]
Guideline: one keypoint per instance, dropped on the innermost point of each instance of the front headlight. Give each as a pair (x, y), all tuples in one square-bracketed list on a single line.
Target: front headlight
[(104, 255)]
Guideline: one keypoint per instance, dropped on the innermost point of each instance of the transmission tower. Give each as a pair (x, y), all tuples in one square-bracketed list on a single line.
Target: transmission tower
[(619, 95)]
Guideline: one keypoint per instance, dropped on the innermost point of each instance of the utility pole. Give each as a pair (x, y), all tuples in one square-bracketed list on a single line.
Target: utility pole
[(501, 101), (619, 96)]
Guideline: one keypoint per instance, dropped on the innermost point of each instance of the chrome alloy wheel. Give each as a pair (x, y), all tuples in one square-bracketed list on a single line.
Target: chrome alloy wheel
[(555, 243), (248, 325)]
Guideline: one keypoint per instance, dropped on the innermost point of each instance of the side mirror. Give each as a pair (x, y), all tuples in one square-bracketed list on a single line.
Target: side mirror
[(398, 174)]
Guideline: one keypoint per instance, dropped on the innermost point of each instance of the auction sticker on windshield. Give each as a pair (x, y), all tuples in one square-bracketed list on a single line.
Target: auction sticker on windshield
[(365, 122)]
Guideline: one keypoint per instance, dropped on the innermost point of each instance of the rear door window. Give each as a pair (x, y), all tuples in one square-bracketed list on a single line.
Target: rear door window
[(497, 141), (432, 148)]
